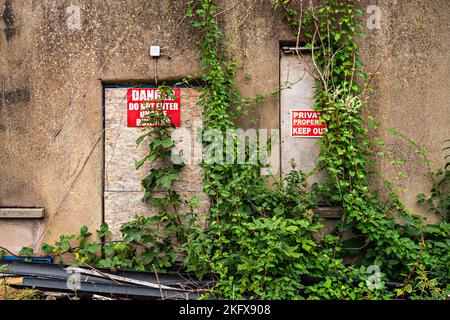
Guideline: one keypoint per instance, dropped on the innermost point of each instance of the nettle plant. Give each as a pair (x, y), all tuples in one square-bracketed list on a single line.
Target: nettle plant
[(260, 241), (439, 200)]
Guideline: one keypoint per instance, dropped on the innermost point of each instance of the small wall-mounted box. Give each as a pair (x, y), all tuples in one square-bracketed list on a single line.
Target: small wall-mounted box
[(155, 51), (22, 213)]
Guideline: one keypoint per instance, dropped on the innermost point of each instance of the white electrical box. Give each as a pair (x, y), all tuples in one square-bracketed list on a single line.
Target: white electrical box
[(155, 51)]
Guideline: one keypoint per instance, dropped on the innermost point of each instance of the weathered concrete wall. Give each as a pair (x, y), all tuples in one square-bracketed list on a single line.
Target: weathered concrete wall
[(51, 71), (412, 92)]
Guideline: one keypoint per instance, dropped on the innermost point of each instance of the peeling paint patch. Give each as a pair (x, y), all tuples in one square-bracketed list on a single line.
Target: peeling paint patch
[(21, 95), (8, 19), (74, 17)]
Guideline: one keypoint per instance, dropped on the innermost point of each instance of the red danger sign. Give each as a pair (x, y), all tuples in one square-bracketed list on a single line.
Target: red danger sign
[(142, 101), (307, 123)]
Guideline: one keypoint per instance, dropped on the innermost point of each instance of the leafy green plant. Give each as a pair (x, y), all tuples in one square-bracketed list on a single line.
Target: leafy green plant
[(168, 224), (392, 235), (438, 201), (423, 288)]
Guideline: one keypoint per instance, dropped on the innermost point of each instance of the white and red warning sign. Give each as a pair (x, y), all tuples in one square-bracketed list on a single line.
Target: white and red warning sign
[(307, 123), (143, 101)]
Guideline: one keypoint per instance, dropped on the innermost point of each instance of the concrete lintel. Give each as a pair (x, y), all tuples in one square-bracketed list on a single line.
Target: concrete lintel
[(22, 213)]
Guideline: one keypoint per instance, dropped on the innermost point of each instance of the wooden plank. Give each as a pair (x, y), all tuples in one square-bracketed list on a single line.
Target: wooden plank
[(329, 212)]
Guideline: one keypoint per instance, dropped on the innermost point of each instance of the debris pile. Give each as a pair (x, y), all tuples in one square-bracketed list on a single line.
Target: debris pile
[(104, 283)]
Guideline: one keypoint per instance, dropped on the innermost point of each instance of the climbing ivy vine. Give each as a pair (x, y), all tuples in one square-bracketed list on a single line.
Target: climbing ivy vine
[(393, 239)]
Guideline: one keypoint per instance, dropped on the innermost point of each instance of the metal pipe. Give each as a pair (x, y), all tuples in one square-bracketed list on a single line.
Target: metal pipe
[(295, 49), (156, 70)]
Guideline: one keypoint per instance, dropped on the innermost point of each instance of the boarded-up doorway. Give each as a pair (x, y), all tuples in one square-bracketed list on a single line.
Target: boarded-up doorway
[(122, 182), (297, 94)]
